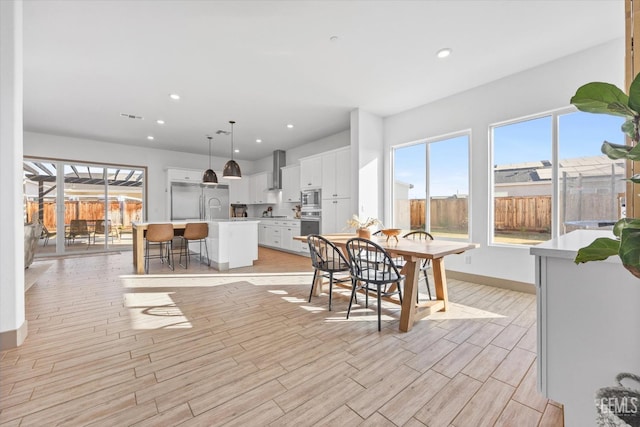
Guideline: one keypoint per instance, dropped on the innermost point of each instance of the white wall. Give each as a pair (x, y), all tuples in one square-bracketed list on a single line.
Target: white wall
[(537, 90), (156, 161), (367, 159)]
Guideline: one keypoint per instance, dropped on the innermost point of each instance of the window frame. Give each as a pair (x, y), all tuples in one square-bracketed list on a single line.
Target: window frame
[(427, 141)]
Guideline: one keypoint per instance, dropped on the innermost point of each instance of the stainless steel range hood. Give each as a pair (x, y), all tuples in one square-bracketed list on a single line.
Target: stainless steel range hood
[(279, 160)]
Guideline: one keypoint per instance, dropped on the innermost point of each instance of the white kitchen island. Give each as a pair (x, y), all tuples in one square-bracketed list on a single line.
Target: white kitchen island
[(232, 243), (588, 325)]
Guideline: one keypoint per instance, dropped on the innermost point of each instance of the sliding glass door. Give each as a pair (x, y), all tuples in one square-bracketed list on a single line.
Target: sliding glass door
[(88, 208)]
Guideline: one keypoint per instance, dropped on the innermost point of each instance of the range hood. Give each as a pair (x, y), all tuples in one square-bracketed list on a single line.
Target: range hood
[(279, 160)]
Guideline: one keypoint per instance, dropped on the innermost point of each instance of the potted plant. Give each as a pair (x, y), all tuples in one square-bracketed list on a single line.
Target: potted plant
[(362, 226), (605, 98)]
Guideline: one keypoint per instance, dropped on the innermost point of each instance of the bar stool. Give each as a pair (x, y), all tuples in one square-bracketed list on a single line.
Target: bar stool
[(194, 231), (161, 234)]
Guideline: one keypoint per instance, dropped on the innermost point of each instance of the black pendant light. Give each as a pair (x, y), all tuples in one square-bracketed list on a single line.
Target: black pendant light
[(231, 168), (209, 177)]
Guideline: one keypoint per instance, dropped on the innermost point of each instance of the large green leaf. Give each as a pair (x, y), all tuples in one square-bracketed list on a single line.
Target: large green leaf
[(635, 178), (625, 223), (634, 94), (630, 250), (599, 249), (602, 98), (629, 128), (620, 151)]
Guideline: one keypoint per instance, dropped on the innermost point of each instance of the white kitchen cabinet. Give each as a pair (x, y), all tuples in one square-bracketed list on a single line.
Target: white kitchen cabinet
[(335, 214), (587, 324), (258, 189), (288, 230), (262, 233), (291, 184), (336, 174), (239, 190), (311, 172), (184, 175)]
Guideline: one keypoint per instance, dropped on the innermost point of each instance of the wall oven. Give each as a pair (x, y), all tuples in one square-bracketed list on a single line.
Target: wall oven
[(310, 222), (311, 200)]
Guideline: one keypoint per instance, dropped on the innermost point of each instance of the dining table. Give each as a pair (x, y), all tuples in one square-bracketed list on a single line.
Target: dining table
[(413, 252)]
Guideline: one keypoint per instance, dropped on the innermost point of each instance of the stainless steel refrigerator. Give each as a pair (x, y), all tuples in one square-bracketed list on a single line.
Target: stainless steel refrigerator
[(192, 201)]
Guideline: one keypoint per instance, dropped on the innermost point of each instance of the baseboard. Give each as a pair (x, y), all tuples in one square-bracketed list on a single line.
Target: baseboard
[(14, 338), (493, 281)]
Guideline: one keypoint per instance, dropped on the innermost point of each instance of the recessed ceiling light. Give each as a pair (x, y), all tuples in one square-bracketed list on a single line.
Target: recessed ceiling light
[(160, 121), (174, 96), (444, 52), (258, 141), (333, 38), (150, 138), (290, 126), (236, 151)]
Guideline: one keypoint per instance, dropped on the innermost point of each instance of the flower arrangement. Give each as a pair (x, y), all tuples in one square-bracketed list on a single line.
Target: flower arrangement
[(356, 223)]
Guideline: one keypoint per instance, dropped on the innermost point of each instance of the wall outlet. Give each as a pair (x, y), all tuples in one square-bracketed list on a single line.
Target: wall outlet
[(467, 259)]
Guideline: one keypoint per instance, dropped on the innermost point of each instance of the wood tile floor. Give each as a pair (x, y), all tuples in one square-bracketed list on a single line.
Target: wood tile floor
[(108, 348)]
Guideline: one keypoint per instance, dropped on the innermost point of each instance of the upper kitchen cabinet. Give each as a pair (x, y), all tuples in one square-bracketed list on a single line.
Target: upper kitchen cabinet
[(291, 184), (336, 174), (239, 191), (259, 189), (311, 172), (184, 175)]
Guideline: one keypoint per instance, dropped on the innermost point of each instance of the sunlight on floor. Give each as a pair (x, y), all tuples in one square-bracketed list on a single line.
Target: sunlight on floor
[(154, 310)]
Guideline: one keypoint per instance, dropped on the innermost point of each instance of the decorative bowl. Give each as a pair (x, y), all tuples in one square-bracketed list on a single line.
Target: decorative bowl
[(391, 232)]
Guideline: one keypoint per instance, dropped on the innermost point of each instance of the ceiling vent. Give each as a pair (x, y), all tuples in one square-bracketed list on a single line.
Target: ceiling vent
[(279, 160)]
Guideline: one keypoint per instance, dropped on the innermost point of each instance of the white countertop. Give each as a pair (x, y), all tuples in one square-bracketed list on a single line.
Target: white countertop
[(567, 245)]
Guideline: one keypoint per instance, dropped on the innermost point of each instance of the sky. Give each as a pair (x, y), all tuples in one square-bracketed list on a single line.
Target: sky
[(579, 135)]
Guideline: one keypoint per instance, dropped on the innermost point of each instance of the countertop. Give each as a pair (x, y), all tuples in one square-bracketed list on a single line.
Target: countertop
[(567, 245)]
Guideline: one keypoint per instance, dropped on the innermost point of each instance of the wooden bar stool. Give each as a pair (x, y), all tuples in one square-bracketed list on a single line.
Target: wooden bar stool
[(194, 231), (161, 234)]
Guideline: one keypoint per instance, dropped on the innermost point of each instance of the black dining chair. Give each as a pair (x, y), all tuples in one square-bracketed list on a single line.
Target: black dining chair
[(370, 275), (327, 260), (426, 263)]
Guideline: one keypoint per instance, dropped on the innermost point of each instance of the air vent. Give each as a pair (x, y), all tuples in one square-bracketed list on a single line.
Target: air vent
[(131, 116)]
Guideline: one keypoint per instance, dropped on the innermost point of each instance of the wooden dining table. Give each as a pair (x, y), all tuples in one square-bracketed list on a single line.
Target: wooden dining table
[(413, 252)]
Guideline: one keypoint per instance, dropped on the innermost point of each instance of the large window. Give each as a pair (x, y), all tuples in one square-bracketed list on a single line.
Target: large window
[(550, 177), (83, 207), (431, 187)]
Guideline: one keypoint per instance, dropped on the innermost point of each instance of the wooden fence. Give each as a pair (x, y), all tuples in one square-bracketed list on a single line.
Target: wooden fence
[(517, 213), (120, 213)]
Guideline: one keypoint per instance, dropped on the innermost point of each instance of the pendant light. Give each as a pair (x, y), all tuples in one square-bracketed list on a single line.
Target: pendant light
[(232, 168), (209, 177)]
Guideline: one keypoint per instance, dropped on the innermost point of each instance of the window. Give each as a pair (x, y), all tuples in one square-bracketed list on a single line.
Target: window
[(431, 187), (535, 198)]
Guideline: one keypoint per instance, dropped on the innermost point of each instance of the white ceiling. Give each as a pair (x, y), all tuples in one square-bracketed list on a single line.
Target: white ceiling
[(268, 63)]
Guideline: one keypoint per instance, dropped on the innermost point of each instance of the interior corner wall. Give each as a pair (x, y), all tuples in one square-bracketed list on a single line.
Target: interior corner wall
[(368, 162), (537, 90), (156, 161), (13, 322)]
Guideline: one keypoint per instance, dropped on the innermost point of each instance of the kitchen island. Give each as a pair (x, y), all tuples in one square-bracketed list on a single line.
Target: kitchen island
[(231, 243)]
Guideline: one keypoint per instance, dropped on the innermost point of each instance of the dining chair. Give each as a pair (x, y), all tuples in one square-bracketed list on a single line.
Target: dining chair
[(426, 263), (363, 254), (327, 260), (161, 235), (194, 232)]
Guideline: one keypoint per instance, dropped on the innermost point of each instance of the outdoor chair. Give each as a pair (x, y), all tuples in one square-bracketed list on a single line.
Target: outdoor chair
[(45, 233), (78, 228), (104, 230)]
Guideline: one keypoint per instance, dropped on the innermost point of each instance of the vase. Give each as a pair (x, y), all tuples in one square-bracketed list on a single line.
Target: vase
[(364, 233)]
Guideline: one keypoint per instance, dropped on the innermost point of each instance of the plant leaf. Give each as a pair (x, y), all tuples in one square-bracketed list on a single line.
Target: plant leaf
[(629, 128), (630, 250), (625, 223), (634, 94), (602, 98), (635, 178), (620, 151), (599, 249)]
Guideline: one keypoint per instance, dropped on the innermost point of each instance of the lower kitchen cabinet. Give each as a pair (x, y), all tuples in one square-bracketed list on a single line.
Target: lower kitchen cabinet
[(279, 234)]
